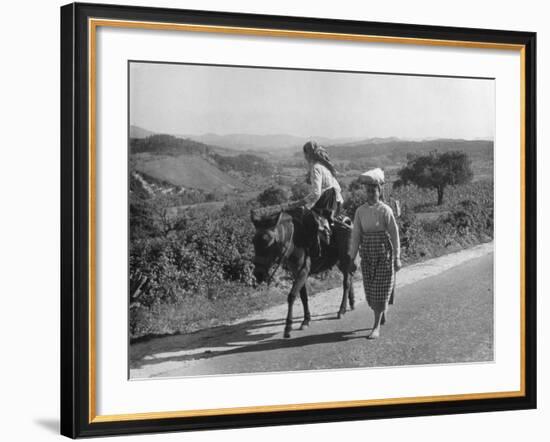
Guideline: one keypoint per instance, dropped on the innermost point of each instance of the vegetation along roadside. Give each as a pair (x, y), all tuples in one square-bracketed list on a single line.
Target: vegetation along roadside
[(191, 249)]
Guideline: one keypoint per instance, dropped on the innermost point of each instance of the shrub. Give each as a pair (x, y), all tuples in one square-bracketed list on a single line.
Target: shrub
[(353, 200), (189, 261), (247, 163)]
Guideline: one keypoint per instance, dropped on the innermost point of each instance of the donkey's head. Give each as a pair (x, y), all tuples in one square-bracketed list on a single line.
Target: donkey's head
[(270, 242)]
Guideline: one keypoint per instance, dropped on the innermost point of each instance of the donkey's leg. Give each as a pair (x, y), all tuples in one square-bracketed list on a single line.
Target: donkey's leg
[(304, 294), (345, 294), (297, 286), (299, 282)]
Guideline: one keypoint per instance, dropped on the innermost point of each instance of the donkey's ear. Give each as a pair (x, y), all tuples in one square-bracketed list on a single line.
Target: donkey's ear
[(263, 221)]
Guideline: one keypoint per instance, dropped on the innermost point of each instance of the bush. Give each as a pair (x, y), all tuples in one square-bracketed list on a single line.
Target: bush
[(142, 218), (353, 200), (247, 163), (190, 261), (470, 217), (466, 224)]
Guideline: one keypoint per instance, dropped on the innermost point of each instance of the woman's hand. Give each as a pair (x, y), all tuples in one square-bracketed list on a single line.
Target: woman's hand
[(398, 264)]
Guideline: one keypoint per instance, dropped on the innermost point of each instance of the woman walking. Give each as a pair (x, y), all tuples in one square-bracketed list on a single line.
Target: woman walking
[(376, 235)]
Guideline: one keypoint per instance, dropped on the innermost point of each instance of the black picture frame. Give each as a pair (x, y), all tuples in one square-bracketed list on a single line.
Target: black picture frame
[(76, 404)]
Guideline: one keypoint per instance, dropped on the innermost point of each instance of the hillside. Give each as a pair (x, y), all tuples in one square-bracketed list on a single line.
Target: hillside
[(139, 132), (272, 143), (162, 144), (188, 171), (186, 163)]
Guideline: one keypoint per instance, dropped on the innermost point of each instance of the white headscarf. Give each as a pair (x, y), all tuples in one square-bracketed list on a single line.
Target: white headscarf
[(373, 176)]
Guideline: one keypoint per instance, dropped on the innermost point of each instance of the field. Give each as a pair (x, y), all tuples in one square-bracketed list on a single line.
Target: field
[(187, 171)]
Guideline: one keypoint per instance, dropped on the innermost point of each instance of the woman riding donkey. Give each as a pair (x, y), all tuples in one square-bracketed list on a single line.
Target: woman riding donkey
[(287, 237), (376, 234), (324, 199)]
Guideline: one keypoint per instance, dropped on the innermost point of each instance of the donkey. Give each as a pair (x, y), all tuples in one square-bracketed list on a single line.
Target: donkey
[(280, 241)]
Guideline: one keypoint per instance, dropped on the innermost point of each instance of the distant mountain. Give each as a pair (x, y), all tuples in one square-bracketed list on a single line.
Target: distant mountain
[(284, 145), (262, 143), (363, 141), (397, 149), (139, 132)]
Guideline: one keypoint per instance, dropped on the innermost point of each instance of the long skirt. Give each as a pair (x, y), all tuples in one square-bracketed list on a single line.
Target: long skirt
[(327, 205), (377, 266)]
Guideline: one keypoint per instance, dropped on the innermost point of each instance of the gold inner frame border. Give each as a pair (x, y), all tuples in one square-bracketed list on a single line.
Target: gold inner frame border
[(93, 24)]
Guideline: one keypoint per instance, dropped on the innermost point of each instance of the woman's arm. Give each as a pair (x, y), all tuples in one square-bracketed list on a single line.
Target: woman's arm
[(393, 230), (338, 189)]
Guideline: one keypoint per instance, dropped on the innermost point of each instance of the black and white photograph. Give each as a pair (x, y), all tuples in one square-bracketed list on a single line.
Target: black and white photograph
[(293, 219), (275, 221)]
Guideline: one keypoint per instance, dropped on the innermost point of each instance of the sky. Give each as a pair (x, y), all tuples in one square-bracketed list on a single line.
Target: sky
[(194, 100)]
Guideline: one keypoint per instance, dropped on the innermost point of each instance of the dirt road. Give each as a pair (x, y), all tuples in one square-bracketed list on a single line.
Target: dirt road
[(443, 313)]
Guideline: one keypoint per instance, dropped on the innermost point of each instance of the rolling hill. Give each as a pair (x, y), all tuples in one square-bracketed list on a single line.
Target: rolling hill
[(188, 171), (194, 165), (139, 132)]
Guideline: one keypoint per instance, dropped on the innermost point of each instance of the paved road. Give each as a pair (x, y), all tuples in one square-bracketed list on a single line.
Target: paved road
[(439, 317)]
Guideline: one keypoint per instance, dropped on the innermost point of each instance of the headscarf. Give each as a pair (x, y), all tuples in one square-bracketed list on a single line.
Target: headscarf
[(319, 154), (373, 176)]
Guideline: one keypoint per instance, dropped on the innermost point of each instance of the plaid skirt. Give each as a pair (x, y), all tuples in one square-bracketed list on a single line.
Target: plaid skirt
[(377, 266)]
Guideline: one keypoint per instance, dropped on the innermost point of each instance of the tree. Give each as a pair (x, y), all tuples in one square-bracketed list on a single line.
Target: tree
[(272, 195), (436, 170)]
